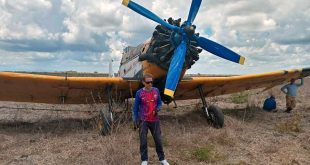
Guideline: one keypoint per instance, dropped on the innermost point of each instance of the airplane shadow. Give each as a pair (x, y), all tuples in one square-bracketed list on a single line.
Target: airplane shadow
[(244, 114), (184, 118), (60, 126), (196, 117), (57, 126), (75, 125)]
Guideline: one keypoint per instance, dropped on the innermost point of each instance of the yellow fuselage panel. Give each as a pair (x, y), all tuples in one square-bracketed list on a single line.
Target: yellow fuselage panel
[(156, 71), (153, 69)]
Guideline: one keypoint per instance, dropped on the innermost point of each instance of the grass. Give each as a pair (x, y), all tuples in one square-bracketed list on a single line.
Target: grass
[(292, 124), (239, 98), (207, 154), (151, 143), (187, 137), (241, 162), (204, 154), (271, 149), (225, 139)]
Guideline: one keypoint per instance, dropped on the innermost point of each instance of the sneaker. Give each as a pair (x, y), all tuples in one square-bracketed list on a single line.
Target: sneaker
[(164, 162), (144, 163)]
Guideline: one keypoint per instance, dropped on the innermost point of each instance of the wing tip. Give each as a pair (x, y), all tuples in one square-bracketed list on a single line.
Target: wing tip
[(241, 60), (305, 72), (169, 92), (125, 2)]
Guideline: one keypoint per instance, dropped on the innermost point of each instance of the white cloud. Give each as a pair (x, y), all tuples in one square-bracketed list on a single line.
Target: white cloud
[(26, 6), (83, 33), (73, 30), (255, 22), (68, 6), (17, 19), (116, 46)]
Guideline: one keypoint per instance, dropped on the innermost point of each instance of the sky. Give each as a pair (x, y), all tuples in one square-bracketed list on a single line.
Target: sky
[(79, 35)]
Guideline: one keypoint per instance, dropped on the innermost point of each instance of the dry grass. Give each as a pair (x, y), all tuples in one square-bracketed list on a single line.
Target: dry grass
[(290, 125), (239, 98), (204, 154), (249, 136)]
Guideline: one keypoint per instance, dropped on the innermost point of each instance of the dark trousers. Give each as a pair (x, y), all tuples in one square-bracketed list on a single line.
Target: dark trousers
[(156, 133)]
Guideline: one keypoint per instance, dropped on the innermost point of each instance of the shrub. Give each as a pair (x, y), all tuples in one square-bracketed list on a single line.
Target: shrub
[(239, 98), (204, 154)]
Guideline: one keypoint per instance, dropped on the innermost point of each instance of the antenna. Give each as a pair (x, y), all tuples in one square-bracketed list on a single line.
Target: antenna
[(111, 73)]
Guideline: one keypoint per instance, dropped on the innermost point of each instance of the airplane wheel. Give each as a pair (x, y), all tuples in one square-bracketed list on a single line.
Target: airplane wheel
[(105, 122), (216, 116)]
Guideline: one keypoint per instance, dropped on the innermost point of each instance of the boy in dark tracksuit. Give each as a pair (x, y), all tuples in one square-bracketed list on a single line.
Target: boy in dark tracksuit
[(146, 107)]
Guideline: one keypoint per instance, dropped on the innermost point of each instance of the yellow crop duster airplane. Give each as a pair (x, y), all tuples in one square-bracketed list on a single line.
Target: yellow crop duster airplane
[(173, 48)]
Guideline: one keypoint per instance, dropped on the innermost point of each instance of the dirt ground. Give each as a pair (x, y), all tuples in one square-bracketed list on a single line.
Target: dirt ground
[(31, 134)]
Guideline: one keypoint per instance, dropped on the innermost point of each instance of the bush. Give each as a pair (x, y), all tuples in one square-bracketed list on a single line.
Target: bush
[(204, 154), (239, 98)]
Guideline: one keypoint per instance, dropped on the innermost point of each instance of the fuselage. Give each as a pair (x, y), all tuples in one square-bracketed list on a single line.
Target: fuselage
[(132, 66), (155, 55)]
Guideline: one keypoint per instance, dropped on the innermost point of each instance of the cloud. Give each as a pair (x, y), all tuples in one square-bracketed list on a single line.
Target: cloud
[(83, 35), (257, 22)]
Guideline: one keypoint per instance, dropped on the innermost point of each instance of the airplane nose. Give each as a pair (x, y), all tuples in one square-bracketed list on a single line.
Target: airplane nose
[(165, 41)]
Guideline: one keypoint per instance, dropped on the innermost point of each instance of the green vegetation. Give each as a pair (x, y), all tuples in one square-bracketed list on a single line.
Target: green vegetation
[(172, 162), (239, 98), (204, 154)]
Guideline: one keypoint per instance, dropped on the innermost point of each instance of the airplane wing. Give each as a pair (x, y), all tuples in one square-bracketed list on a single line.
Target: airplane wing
[(214, 86), (22, 87)]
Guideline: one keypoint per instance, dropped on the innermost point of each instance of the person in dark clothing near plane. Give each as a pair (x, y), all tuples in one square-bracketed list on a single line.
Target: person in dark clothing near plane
[(291, 91), (145, 114), (270, 104)]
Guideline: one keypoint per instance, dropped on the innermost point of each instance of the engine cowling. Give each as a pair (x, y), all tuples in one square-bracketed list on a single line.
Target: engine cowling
[(164, 42)]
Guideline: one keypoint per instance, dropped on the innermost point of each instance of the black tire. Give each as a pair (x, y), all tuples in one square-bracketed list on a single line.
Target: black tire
[(105, 123), (216, 116)]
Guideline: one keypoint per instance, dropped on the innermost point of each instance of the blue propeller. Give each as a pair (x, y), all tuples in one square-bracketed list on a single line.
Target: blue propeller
[(219, 50), (148, 14), (193, 11), (186, 33), (175, 69)]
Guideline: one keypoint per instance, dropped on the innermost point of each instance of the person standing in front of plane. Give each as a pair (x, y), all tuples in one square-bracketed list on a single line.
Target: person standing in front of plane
[(291, 91), (145, 115)]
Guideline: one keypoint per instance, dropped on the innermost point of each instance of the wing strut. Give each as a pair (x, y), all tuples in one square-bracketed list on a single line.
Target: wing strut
[(105, 121)]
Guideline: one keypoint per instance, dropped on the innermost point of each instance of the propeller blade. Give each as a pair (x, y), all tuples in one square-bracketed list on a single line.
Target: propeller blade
[(219, 50), (193, 11), (175, 69), (148, 14)]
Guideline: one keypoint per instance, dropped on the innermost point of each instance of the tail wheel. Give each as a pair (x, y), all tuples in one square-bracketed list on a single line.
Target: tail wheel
[(105, 122), (215, 116)]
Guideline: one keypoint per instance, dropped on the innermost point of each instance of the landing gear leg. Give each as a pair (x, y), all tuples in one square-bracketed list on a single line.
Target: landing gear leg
[(213, 114), (175, 104), (106, 115)]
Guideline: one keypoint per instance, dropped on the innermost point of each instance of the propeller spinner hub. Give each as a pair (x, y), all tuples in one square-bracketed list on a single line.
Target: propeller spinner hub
[(190, 30), (186, 31), (176, 39)]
